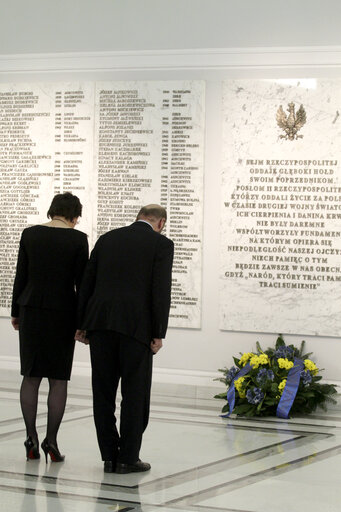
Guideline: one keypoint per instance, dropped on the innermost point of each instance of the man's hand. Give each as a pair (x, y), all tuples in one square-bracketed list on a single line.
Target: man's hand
[(15, 322), (81, 336), (156, 344)]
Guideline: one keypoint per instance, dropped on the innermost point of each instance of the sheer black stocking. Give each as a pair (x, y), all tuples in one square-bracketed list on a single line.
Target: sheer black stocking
[(56, 406), (55, 403), (29, 403)]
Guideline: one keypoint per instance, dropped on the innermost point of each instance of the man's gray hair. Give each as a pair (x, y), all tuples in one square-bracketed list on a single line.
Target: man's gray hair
[(153, 212)]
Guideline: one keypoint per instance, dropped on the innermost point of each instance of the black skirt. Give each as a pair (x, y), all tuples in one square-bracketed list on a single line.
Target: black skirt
[(46, 342)]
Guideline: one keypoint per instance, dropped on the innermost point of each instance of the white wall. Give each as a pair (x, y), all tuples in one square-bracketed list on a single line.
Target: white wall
[(108, 25), (37, 26)]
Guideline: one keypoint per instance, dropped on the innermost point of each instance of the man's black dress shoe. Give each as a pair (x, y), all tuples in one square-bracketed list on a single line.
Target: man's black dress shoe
[(109, 466), (137, 467)]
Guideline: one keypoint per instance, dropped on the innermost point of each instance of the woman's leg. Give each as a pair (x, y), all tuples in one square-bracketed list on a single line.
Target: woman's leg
[(29, 403), (56, 406)]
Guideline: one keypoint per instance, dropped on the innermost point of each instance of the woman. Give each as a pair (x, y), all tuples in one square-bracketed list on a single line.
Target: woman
[(51, 261)]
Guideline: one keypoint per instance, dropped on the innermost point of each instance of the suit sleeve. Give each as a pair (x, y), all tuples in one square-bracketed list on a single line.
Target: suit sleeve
[(20, 277), (81, 261), (87, 286), (161, 287)]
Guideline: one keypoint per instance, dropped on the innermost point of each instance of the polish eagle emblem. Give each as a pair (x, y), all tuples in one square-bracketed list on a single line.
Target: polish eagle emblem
[(292, 122)]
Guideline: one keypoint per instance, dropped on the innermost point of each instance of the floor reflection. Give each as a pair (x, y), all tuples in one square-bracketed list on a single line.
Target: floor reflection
[(200, 462)]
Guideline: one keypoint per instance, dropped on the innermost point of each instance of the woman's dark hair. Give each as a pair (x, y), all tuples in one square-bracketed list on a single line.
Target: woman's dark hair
[(66, 205)]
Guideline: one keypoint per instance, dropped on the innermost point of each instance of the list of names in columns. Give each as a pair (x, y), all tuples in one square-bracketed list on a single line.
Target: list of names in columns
[(46, 147), (118, 146), (74, 146), (181, 194), (150, 149), (26, 172)]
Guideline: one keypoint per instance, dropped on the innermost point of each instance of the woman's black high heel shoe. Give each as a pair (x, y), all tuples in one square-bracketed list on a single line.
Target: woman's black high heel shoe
[(52, 450), (32, 450)]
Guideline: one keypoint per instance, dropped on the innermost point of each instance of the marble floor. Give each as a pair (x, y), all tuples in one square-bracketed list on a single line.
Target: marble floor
[(200, 462)]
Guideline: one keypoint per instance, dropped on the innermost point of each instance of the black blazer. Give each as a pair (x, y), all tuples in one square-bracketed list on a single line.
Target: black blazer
[(127, 283), (51, 262)]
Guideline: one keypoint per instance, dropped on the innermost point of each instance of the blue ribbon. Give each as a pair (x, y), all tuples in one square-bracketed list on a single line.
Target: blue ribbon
[(290, 390), (230, 395)]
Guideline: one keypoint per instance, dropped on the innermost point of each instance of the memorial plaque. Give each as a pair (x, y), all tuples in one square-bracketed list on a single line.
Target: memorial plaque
[(281, 207), (149, 142), (46, 144), (117, 145)]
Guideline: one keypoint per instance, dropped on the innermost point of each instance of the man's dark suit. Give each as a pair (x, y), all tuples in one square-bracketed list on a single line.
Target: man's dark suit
[(124, 304)]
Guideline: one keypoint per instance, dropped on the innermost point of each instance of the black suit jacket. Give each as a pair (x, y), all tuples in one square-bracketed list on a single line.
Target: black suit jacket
[(51, 262), (127, 283)]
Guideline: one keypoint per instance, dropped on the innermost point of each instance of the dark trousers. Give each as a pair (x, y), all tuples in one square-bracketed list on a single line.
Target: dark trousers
[(114, 357)]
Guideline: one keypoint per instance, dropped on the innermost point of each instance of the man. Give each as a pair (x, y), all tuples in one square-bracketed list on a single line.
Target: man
[(124, 307)]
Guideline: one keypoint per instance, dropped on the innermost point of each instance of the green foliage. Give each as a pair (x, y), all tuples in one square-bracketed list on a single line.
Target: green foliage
[(259, 391), (279, 342)]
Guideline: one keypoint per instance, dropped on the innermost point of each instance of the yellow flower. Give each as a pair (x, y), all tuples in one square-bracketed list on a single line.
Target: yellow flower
[(285, 363), (263, 359), (281, 385), (309, 365), (239, 383), (245, 357), (254, 361)]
